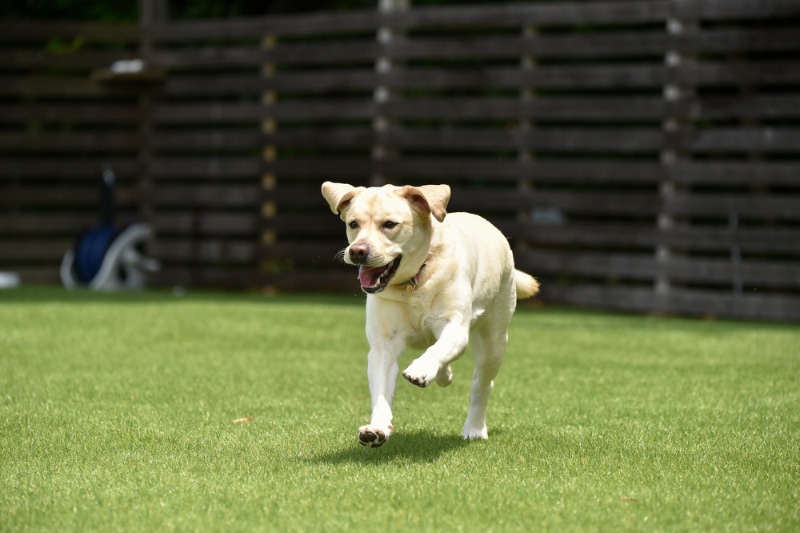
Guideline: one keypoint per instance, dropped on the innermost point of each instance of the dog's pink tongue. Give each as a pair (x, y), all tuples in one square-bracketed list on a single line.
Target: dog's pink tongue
[(368, 276)]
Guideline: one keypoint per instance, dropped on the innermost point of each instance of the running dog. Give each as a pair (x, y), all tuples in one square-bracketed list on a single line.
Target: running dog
[(434, 281)]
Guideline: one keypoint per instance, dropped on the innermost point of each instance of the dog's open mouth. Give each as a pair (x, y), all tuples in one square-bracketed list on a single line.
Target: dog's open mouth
[(375, 279)]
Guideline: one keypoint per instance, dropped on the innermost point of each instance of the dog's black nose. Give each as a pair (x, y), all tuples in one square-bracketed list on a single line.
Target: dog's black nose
[(358, 252)]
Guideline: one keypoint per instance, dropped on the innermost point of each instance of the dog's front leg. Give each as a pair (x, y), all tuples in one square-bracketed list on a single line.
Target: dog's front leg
[(382, 371), (451, 341), (386, 345)]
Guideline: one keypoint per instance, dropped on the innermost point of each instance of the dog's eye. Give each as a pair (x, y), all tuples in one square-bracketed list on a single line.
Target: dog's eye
[(353, 224), (389, 224)]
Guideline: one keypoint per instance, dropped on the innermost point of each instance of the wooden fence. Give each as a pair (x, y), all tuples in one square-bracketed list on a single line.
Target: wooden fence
[(641, 156)]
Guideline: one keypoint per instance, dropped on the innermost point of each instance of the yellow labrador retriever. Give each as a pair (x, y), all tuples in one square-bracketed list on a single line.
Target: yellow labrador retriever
[(434, 281)]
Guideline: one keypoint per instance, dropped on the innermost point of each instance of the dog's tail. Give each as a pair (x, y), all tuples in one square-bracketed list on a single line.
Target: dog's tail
[(527, 285)]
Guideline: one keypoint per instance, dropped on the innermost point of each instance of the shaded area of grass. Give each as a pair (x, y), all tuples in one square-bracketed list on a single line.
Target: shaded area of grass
[(116, 413)]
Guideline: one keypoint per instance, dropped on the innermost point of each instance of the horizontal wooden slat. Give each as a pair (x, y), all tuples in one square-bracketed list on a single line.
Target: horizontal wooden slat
[(208, 196), (298, 280), (322, 253), (618, 140), (212, 57), (207, 167), (107, 141), (717, 73), (41, 250), (775, 241), (631, 76), (565, 140), (47, 274), (775, 207), (204, 250), (221, 112), (753, 106), (307, 109), (735, 173), (67, 168), (558, 108), (78, 60), (628, 76), (237, 29), (504, 15), (743, 139), (206, 223), (542, 108), (74, 113), (556, 139), (330, 137), (319, 222), (65, 196), (210, 276), (573, 77), (246, 140), (729, 9), (642, 267), (32, 224), (343, 168), (437, 168), (594, 45), (686, 302), (49, 223), (510, 15), (617, 203), (693, 40), (232, 84), (541, 171), (32, 31), (779, 241), (62, 87), (431, 78)]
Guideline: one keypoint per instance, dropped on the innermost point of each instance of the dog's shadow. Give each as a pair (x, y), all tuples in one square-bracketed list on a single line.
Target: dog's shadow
[(414, 446)]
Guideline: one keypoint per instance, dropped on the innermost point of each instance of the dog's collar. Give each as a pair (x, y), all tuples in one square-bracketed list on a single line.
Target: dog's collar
[(413, 283)]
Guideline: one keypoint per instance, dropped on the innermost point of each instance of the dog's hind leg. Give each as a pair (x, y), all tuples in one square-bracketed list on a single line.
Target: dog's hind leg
[(445, 376), (488, 348)]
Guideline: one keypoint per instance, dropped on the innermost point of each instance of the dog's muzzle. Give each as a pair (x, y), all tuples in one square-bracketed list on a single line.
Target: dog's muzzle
[(375, 279)]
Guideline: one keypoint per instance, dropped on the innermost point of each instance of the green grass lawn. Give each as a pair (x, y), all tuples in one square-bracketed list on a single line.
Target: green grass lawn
[(117, 413)]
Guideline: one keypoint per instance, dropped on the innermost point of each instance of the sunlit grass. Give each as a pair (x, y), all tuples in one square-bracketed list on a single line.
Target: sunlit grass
[(117, 413)]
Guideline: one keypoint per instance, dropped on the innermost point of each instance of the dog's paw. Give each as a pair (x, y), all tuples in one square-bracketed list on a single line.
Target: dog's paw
[(373, 437), (420, 374), (475, 433)]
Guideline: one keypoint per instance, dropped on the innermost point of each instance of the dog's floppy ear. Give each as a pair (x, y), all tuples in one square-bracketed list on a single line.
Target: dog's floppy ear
[(430, 199), (339, 195)]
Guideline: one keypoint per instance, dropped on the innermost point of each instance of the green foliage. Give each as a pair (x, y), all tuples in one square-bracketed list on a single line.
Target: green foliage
[(59, 46), (117, 413)]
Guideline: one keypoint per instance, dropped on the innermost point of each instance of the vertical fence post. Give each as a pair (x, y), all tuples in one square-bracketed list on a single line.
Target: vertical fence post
[(526, 155), (382, 94), (669, 158), (151, 12), (269, 180), (675, 127)]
